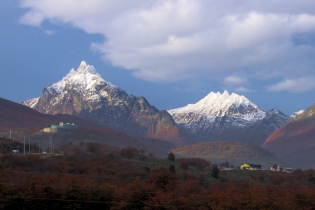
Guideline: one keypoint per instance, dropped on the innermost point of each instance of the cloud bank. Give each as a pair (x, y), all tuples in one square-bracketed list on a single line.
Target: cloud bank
[(294, 85), (173, 40)]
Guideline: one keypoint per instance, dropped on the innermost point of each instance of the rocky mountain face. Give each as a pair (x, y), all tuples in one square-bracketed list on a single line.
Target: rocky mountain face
[(83, 93), (294, 142), (225, 117)]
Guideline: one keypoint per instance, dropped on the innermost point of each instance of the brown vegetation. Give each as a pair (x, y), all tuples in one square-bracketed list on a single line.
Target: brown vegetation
[(92, 177)]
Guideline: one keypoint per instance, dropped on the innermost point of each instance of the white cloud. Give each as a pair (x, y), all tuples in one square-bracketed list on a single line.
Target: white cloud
[(49, 32), (234, 80), (163, 40), (302, 84), (243, 90)]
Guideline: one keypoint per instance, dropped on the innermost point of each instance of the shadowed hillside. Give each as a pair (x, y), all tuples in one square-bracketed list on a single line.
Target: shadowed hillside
[(103, 135), (295, 141), (20, 118), (234, 152)]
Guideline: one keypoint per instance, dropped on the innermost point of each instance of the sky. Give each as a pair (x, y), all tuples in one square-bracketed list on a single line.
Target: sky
[(172, 52)]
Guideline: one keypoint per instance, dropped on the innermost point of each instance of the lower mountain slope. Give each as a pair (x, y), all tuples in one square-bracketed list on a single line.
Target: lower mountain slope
[(15, 117), (234, 152), (107, 136), (295, 141), (24, 120)]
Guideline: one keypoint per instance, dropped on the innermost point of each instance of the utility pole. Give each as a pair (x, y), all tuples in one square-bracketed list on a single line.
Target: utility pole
[(24, 144), (52, 145), (29, 145), (1, 148), (38, 146), (50, 142)]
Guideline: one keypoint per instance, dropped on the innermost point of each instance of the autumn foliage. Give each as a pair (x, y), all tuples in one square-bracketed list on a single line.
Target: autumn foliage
[(93, 176)]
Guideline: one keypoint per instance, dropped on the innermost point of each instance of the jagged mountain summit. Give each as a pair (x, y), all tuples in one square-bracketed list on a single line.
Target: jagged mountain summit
[(219, 105), (85, 81), (84, 93), (228, 117)]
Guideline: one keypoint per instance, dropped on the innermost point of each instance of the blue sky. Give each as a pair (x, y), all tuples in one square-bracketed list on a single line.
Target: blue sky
[(171, 52)]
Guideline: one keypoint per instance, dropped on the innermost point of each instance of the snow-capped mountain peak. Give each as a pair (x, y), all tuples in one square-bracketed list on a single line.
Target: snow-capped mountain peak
[(217, 104), (85, 81), (84, 68), (231, 117), (85, 77), (295, 114)]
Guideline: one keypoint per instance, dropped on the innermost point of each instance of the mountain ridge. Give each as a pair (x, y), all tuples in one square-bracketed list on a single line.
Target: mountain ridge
[(295, 141), (217, 104), (228, 117), (83, 93)]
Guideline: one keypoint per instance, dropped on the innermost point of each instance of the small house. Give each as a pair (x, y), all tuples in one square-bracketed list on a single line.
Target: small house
[(61, 127), (15, 152)]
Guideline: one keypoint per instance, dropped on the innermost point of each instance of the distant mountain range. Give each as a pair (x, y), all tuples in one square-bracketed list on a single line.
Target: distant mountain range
[(83, 93), (225, 117), (20, 118), (295, 141), (217, 117)]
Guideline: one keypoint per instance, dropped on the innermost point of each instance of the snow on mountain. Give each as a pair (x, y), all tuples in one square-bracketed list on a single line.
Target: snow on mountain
[(86, 77), (229, 117), (31, 103), (215, 104), (219, 105), (84, 80), (295, 114)]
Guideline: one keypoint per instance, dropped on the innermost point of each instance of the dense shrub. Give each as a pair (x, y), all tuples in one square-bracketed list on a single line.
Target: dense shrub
[(172, 168), (171, 157), (215, 172), (199, 163), (129, 152), (184, 164)]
